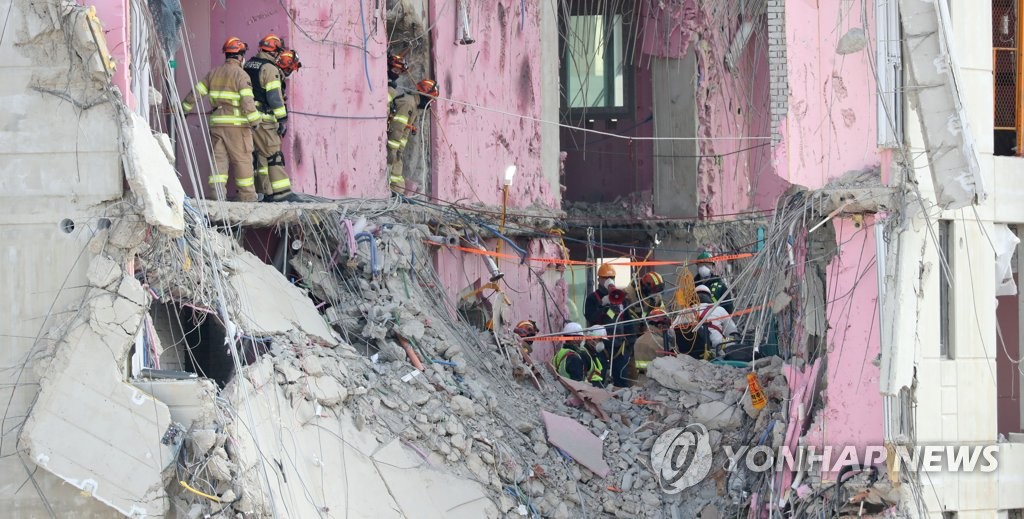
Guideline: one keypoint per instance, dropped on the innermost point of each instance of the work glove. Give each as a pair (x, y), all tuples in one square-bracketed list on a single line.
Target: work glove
[(282, 127), (605, 301)]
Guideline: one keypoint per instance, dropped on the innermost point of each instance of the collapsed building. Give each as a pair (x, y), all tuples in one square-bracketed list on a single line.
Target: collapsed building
[(351, 355)]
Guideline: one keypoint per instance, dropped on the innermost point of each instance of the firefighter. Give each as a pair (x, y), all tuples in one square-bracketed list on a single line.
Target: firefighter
[(232, 120), (569, 361), (603, 305), (288, 62), (267, 86), (706, 276), (403, 108), (526, 330)]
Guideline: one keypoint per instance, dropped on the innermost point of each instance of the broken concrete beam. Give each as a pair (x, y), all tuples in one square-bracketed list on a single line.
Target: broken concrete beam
[(152, 178)]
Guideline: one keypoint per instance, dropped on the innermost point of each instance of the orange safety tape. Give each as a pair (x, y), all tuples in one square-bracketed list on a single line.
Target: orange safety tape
[(560, 261)]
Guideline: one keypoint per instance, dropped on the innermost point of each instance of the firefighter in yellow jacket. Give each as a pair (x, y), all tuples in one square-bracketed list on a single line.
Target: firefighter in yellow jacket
[(233, 116), (403, 109), (267, 86)]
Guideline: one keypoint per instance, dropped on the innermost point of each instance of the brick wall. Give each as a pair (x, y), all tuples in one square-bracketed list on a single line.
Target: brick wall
[(777, 68)]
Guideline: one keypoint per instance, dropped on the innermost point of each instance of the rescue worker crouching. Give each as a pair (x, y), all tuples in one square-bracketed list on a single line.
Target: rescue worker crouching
[(268, 88), (657, 342), (595, 348), (706, 276), (232, 120), (570, 361), (701, 329), (525, 330)]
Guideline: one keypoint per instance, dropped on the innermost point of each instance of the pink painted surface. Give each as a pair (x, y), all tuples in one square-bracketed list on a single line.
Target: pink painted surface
[(501, 71), (114, 15), (853, 405), (335, 147), (734, 171), (831, 125), (801, 388), (577, 441), (669, 27)]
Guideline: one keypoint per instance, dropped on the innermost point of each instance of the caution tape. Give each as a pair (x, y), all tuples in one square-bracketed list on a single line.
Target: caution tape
[(561, 261)]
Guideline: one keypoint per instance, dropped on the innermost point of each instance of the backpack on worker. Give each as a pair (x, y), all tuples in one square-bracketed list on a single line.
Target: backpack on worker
[(695, 342)]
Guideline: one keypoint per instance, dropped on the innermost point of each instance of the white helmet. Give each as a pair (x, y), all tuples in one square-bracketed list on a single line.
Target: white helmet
[(597, 331), (572, 329), (702, 288)]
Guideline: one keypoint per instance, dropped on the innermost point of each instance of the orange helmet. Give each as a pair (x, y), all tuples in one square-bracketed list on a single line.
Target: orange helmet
[(288, 62), (525, 329), (234, 46), (605, 271), (658, 317), (397, 62), (652, 283), (271, 43), (427, 86)]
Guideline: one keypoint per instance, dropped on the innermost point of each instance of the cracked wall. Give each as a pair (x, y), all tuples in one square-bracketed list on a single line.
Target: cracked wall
[(55, 175)]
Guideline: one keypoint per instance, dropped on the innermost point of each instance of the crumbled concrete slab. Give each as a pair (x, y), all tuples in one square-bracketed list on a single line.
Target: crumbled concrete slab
[(189, 401), (426, 493), (269, 304), (718, 415), (96, 432), (103, 272), (152, 177)]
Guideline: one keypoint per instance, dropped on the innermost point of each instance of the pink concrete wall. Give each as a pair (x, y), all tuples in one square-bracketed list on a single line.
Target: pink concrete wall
[(115, 14), (853, 404), (335, 148), (831, 125), (501, 71)]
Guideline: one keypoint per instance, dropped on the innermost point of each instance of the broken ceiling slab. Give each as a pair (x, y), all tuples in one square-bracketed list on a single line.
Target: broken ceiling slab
[(96, 432), (152, 177), (261, 214), (267, 302), (576, 441)]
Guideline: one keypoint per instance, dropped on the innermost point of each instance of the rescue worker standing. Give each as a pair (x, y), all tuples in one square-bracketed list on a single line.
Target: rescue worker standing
[(401, 110), (599, 307), (232, 120), (268, 89), (706, 276)]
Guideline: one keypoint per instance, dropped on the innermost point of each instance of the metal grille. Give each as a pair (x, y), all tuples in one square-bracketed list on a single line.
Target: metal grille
[(1004, 63)]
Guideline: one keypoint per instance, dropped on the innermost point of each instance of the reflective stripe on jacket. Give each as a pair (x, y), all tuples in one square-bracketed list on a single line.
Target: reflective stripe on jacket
[(230, 94)]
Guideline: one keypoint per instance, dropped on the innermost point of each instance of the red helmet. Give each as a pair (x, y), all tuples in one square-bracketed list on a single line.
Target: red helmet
[(657, 317), (234, 46), (427, 86), (288, 62), (652, 283), (397, 62), (271, 43), (525, 329)]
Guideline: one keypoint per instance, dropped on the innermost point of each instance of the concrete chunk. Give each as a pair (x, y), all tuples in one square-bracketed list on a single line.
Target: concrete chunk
[(103, 272)]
